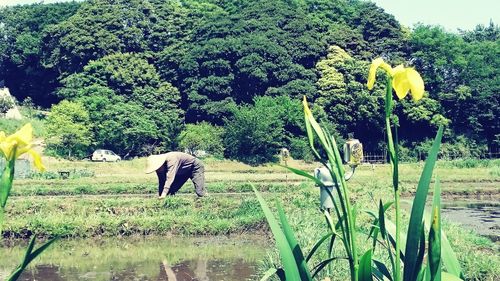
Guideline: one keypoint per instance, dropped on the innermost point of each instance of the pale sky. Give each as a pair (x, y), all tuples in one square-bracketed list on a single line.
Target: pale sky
[(451, 14)]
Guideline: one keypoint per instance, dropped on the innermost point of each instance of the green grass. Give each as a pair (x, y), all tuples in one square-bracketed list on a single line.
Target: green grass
[(97, 216)]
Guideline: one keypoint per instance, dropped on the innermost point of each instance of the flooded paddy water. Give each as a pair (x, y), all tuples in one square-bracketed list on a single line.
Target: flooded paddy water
[(174, 258), (483, 217)]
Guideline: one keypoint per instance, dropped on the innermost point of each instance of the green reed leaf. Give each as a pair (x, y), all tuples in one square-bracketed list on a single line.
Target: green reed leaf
[(287, 258), (365, 267), (318, 244), (383, 269), (294, 245), (417, 211), (434, 255)]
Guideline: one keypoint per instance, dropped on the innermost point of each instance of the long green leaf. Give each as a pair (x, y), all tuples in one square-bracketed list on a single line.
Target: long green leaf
[(365, 267), (321, 265), (381, 219), (434, 255), (391, 231), (287, 258), (29, 256), (421, 252), (305, 174), (448, 256), (294, 245), (417, 211), (383, 269), (449, 277), (317, 245)]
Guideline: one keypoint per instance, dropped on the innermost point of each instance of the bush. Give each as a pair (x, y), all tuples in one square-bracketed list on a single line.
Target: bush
[(300, 149), (197, 138), (69, 130), (254, 134)]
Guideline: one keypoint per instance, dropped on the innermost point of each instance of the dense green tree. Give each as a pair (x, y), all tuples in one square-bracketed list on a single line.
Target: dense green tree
[(202, 137), (69, 131), (130, 105), (463, 76), (21, 31), (254, 134), (346, 100), (208, 57)]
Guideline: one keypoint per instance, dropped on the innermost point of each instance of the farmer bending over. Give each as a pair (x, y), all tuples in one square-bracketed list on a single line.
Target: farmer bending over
[(174, 169)]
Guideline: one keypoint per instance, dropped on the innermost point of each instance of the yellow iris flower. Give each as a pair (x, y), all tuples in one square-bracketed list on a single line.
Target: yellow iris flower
[(15, 145), (404, 79)]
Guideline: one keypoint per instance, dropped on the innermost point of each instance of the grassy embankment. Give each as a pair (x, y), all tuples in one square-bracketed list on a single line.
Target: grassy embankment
[(123, 202)]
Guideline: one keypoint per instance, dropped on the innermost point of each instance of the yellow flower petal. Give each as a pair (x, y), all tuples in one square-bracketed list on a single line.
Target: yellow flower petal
[(372, 72), (37, 160), (6, 148), (400, 83), (23, 149), (376, 63), (307, 111), (397, 69), (24, 135), (416, 84)]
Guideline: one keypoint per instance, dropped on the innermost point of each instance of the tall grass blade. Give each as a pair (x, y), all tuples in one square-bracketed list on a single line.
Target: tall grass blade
[(306, 175), (449, 258), (318, 244), (287, 258), (417, 211), (435, 235), (29, 256), (421, 253), (294, 245), (391, 231), (381, 219), (321, 265), (365, 267), (383, 269)]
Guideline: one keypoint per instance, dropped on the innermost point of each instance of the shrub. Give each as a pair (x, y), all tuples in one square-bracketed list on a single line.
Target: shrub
[(202, 137)]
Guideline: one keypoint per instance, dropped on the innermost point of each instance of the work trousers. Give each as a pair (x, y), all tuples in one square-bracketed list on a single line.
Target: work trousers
[(197, 176)]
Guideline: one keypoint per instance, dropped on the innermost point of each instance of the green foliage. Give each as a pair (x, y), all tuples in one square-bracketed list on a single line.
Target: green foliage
[(254, 134), (132, 109), (69, 131), (215, 55), (460, 72), (202, 137), (6, 103), (21, 49), (343, 95)]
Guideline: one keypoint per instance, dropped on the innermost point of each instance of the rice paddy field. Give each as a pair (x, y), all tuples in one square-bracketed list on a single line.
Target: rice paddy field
[(99, 200)]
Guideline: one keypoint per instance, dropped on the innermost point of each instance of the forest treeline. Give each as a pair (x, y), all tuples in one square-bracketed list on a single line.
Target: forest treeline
[(139, 76)]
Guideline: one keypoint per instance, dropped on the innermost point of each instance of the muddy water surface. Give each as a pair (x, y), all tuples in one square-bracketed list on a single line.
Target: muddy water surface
[(203, 259), (482, 217)]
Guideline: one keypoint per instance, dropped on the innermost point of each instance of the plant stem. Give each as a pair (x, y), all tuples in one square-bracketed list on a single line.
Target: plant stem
[(354, 262), (393, 156)]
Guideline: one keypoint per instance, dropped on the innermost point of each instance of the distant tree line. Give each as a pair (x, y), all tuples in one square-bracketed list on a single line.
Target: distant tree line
[(140, 76)]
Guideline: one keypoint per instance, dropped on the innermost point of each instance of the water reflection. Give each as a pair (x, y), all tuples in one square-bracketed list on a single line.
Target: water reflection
[(181, 259)]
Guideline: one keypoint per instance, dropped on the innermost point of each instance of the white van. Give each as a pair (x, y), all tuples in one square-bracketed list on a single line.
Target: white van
[(105, 156)]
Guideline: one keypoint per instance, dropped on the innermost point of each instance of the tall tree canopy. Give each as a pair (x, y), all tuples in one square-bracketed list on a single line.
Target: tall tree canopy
[(199, 60)]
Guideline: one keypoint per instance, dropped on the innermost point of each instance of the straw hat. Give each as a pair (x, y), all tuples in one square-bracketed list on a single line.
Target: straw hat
[(154, 162)]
